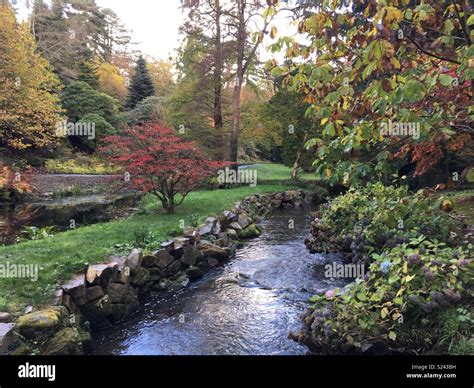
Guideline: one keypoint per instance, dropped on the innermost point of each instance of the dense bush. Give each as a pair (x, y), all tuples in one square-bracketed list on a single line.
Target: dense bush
[(80, 99), (148, 110), (85, 104), (369, 219), (102, 129), (80, 165), (398, 303)]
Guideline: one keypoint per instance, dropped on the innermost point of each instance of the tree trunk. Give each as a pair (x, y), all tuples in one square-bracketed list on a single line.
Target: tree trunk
[(241, 40), (234, 136), (218, 63), (296, 165)]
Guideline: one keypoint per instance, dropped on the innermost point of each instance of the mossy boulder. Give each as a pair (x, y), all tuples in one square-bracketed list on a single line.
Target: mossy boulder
[(142, 277), (41, 324), (98, 312), (65, 342), (209, 249), (134, 261), (189, 256), (117, 292), (163, 258), (244, 220), (232, 234), (250, 231)]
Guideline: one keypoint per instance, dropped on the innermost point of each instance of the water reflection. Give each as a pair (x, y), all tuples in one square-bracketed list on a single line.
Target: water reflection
[(246, 307)]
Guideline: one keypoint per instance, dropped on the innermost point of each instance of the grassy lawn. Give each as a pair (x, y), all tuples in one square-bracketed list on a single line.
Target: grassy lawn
[(270, 172), (64, 254)]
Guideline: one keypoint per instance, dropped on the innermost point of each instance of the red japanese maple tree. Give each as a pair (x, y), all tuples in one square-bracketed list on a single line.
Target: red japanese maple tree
[(160, 162)]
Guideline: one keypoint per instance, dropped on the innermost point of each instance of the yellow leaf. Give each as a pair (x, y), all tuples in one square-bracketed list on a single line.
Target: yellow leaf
[(373, 32), (393, 14), (409, 278), (273, 32), (394, 61)]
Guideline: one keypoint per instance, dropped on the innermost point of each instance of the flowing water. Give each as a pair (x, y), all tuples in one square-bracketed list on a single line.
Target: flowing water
[(246, 307)]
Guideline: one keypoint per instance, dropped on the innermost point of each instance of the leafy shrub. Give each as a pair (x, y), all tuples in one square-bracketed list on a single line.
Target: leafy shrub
[(148, 110), (80, 99), (33, 233), (456, 331), (194, 220), (80, 165), (121, 249), (102, 129), (83, 103), (143, 238), (399, 302), (367, 220), (148, 204)]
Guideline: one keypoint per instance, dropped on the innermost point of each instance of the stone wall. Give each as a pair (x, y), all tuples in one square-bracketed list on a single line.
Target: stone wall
[(110, 292)]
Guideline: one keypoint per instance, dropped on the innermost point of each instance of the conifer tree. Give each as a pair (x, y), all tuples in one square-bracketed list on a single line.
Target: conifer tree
[(141, 84), (88, 74)]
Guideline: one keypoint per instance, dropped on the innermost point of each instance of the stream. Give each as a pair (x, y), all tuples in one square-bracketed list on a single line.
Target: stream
[(85, 209), (245, 307)]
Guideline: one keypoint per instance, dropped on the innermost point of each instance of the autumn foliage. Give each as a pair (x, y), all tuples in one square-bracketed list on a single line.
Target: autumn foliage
[(160, 162), (13, 185), (29, 107), (367, 62)]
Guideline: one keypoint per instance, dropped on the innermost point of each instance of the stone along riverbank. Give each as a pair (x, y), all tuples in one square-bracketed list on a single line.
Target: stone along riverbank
[(105, 299)]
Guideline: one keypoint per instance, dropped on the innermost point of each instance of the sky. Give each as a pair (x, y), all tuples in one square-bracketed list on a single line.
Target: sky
[(154, 24)]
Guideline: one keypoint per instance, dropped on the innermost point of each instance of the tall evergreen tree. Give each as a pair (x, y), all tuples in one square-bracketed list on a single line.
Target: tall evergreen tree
[(88, 74), (141, 85), (69, 32)]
